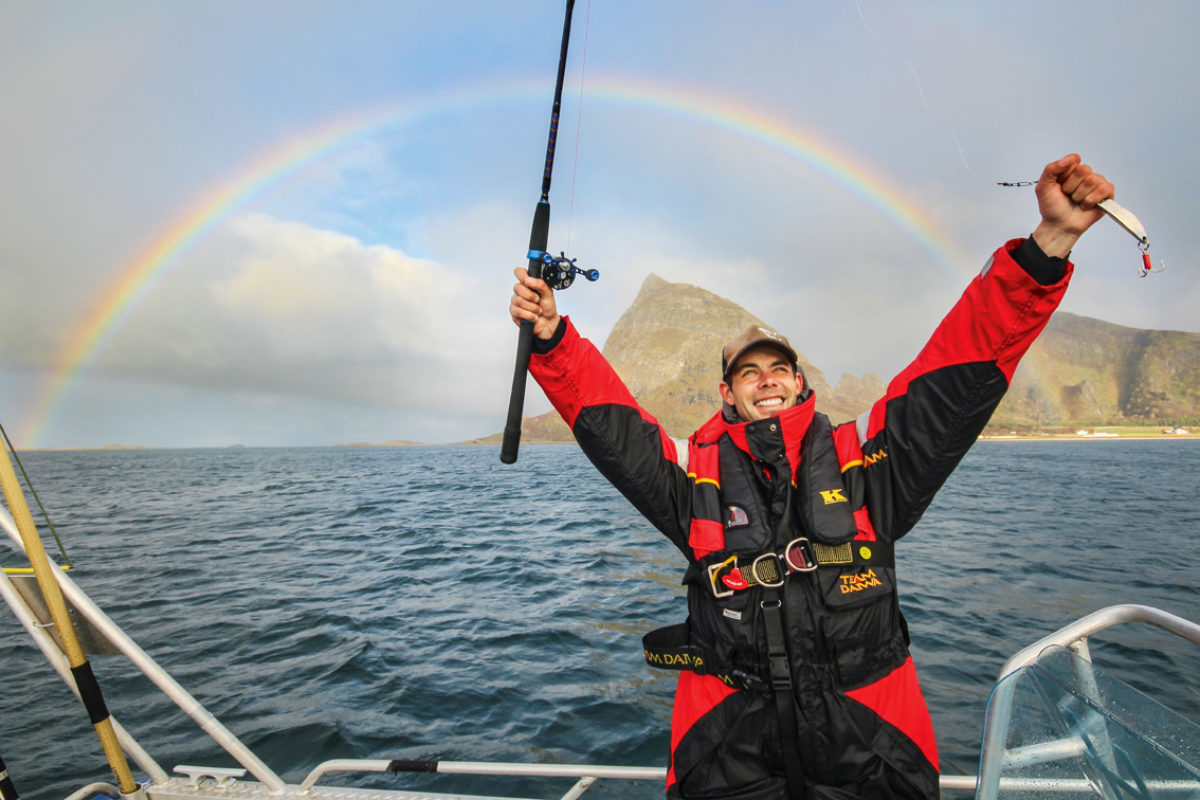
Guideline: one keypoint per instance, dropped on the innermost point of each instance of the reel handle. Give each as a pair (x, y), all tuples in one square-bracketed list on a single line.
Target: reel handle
[(560, 272)]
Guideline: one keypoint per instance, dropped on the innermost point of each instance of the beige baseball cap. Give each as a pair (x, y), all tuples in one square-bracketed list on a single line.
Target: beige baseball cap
[(754, 336)]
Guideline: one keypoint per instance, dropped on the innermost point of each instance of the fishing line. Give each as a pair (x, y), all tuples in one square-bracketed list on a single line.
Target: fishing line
[(587, 27), (1121, 215), (917, 80), (29, 485)]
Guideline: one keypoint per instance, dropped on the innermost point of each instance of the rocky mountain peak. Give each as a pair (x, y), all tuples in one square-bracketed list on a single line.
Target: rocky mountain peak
[(1081, 371)]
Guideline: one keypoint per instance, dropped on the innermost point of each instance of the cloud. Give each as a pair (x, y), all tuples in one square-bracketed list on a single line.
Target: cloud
[(372, 283), (323, 297), (276, 306)]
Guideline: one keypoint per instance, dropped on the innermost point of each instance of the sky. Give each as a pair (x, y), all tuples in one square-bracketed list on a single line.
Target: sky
[(295, 223)]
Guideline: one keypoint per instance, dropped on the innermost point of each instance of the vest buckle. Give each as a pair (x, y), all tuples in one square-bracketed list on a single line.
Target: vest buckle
[(718, 573)]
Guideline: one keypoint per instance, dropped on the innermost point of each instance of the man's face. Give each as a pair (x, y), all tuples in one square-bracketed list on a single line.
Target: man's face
[(761, 384)]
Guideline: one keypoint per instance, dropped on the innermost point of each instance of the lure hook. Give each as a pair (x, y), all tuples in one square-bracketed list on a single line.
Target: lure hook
[(1148, 265), (1127, 220)]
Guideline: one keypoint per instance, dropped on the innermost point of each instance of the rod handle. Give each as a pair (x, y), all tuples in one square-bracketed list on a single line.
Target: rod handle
[(538, 235)]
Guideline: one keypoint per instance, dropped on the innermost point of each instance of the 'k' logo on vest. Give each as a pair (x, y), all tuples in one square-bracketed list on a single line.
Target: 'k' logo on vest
[(831, 496)]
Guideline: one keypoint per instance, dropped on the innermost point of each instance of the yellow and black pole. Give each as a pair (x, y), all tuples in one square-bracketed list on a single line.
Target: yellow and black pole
[(85, 679), (7, 790)]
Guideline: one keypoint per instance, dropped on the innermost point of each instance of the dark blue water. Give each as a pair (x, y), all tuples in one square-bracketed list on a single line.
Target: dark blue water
[(431, 603)]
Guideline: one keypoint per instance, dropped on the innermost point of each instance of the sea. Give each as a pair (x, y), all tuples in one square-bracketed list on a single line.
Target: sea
[(432, 603)]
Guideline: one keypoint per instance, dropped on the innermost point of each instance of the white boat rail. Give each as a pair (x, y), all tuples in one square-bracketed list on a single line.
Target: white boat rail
[(1075, 636), (586, 773)]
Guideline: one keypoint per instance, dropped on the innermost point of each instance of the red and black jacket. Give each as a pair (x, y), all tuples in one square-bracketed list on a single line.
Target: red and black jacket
[(844, 626)]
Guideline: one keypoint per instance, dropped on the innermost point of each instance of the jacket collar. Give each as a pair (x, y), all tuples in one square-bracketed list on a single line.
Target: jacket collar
[(794, 423)]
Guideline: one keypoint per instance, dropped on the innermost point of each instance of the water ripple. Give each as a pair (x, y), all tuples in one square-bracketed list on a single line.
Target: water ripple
[(427, 603)]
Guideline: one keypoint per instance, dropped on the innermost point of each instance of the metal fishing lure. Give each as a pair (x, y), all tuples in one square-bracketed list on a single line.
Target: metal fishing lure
[(1123, 217)]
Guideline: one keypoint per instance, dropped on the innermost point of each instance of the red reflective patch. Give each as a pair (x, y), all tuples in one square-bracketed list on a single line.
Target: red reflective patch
[(695, 696), (896, 697)]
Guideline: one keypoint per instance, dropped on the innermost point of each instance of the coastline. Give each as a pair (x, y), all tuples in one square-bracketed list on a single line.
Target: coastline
[(1086, 438), (1100, 435)]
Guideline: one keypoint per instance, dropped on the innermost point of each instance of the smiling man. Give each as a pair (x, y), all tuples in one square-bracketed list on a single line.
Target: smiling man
[(760, 374), (796, 679)]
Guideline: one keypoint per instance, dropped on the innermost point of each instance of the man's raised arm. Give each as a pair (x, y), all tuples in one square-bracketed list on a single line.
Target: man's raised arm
[(936, 407), (626, 444)]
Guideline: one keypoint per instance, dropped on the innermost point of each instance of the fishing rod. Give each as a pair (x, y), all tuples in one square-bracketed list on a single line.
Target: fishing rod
[(7, 790), (558, 272)]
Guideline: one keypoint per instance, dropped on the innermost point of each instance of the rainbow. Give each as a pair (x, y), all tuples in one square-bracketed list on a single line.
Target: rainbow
[(136, 278), (792, 142)]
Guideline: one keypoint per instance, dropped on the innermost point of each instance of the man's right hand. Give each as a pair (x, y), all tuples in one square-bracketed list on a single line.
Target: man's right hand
[(1067, 194), (533, 300)]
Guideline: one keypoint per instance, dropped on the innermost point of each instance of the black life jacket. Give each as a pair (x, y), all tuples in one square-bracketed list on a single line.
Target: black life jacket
[(774, 515)]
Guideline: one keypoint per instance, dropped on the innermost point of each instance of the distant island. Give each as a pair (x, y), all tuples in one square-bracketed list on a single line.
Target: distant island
[(391, 443), (95, 447)]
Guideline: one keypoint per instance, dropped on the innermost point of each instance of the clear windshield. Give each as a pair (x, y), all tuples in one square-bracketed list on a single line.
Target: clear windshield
[(1073, 730)]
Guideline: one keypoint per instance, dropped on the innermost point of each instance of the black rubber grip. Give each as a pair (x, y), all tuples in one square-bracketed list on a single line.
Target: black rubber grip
[(89, 692), (538, 235), (410, 765)]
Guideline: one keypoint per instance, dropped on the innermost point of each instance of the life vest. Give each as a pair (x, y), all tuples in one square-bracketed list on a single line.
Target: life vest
[(774, 514)]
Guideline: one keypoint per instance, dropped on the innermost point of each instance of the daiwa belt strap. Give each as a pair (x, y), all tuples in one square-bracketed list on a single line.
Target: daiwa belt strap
[(671, 648)]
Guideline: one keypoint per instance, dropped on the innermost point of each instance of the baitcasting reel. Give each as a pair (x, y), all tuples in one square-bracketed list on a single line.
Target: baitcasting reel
[(559, 273)]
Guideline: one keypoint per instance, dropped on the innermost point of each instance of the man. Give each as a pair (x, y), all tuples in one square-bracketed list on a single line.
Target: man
[(797, 681)]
